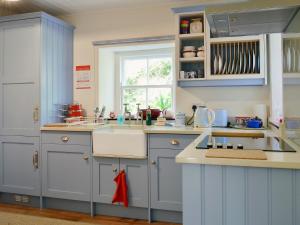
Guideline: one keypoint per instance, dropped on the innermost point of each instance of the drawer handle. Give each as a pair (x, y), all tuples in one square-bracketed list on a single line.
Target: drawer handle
[(35, 160), (153, 162), (65, 139), (115, 170), (85, 157), (174, 142)]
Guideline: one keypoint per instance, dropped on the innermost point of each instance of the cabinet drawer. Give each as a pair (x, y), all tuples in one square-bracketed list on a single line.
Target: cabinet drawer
[(170, 141), (71, 138)]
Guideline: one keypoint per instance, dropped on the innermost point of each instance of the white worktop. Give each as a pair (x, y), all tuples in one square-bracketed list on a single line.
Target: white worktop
[(288, 160)]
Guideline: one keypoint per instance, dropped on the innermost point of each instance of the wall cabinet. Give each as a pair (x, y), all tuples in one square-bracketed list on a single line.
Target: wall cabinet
[(165, 173), (104, 172), (20, 165)]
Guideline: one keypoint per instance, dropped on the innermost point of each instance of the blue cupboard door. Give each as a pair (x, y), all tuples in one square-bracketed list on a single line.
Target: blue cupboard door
[(19, 77), (19, 169), (104, 172), (66, 171), (137, 181), (166, 180)]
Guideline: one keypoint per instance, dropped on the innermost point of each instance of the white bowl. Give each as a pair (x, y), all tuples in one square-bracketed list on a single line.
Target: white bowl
[(189, 54), (189, 48)]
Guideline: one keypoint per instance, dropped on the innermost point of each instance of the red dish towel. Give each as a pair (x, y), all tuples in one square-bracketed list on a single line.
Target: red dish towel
[(121, 191)]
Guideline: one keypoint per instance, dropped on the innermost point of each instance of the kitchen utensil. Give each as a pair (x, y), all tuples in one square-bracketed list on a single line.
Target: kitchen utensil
[(221, 118), (254, 58), (254, 123), (154, 113), (204, 117), (225, 60), (196, 26), (216, 60), (189, 48), (180, 119), (189, 54), (220, 60), (260, 111)]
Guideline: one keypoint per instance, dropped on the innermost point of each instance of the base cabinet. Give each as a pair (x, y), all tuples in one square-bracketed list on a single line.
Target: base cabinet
[(66, 171), (106, 169), (165, 173), (165, 180), (19, 165)]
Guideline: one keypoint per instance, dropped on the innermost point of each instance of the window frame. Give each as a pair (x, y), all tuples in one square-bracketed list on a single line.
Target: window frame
[(151, 53)]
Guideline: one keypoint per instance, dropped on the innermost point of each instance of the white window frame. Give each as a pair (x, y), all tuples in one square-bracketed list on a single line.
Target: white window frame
[(119, 68)]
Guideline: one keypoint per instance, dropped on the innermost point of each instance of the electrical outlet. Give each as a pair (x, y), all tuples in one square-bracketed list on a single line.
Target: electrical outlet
[(18, 198), (25, 199)]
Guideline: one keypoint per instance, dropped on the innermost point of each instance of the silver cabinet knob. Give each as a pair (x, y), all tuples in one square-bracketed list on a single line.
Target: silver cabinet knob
[(153, 162), (174, 142), (115, 170), (85, 157), (65, 139)]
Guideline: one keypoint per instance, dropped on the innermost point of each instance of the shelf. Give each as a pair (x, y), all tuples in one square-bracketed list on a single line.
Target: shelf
[(192, 79), (291, 78), (191, 36), (221, 82), (291, 75), (235, 76), (194, 59)]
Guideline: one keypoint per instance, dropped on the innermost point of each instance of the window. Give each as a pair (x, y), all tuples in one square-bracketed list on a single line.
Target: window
[(146, 77)]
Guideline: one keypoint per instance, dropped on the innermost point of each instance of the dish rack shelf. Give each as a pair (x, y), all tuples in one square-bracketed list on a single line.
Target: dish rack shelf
[(237, 57)]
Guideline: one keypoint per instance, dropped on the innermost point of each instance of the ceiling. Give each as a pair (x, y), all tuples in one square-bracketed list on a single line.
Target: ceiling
[(59, 7)]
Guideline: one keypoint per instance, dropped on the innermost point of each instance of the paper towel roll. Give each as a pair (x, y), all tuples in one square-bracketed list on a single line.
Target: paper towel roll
[(261, 111)]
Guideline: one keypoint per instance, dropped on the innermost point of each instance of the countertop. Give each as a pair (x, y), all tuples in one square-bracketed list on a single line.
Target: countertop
[(288, 160), (149, 129)]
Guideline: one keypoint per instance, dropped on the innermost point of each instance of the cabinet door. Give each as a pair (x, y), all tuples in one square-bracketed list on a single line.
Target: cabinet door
[(19, 169), (19, 77), (137, 181), (166, 186), (66, 171), (104, 172)]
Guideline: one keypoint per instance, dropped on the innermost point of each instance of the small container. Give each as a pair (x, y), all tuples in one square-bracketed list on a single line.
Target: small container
[(196, 26), (184, 26), (180, 119), (120, 119), (189, 54), (148, 117)]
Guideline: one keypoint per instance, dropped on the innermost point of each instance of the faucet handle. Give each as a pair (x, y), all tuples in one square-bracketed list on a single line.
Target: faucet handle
[(125, 107)]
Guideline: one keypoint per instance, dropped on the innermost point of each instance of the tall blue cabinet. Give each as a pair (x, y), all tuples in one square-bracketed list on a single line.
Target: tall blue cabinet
[(36, 69)]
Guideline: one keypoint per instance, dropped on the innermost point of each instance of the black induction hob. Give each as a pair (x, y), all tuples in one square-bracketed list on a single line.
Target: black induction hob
[(272, 144)]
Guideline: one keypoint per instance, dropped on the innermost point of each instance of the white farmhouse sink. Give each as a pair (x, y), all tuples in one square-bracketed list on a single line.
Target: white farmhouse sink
[(119, 142)]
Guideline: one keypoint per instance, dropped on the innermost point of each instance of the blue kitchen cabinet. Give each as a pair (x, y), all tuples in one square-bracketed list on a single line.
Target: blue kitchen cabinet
[(165, 173), (20, 165), (106, 169), (35, 71), (36, 68), (66, 166)]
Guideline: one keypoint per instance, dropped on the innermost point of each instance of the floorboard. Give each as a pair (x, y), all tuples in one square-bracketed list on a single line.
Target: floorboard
[(74, 216)]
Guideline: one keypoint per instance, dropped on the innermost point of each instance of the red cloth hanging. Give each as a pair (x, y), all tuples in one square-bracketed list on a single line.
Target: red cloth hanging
[(121, 191)]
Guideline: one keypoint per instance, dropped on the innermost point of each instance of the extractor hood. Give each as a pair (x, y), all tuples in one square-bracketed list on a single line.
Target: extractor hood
[(249, 18)]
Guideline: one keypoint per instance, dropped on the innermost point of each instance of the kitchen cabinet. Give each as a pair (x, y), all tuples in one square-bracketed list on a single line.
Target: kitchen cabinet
[(66, 167), (36, 71), (20, 165), (227, 61), (106, 169), (165, 173), (35, 79)]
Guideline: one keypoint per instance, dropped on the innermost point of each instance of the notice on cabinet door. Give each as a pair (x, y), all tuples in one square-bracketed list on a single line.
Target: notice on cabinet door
[(83, 76)]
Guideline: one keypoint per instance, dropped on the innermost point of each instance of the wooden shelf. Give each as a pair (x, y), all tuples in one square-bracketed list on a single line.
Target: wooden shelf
[(194, 59), (192, 79), (235, 76), (191, 36), (291, 75), (221, 82)]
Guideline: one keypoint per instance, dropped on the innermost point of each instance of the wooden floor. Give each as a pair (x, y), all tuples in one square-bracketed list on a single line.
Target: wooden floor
[(72, 216)]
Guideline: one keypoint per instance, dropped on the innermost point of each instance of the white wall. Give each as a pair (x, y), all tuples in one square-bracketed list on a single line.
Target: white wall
[(143, 22)]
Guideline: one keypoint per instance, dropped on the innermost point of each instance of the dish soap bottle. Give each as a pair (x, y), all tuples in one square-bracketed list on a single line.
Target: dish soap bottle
[(148, 116)]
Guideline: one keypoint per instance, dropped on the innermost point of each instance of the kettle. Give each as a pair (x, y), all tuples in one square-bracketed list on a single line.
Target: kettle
[(204, 117)]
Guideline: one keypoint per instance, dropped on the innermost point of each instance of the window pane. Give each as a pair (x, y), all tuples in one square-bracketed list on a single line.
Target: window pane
[(135, 72), (160, 70), (160, 98), (132, 96)]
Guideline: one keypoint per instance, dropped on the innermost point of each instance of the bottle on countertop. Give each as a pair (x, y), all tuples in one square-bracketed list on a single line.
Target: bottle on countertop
[(148, 117)]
